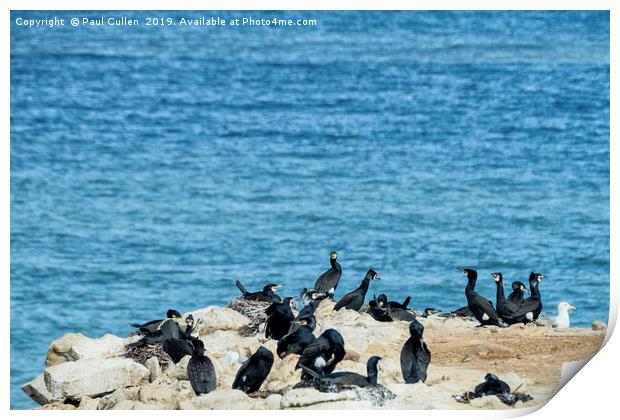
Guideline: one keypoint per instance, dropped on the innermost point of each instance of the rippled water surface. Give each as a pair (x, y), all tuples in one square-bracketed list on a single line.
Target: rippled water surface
[(151, 167)]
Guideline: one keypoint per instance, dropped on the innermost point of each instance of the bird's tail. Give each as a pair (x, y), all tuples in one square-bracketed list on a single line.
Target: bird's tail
[(135, 325), (406, 302), (240, 286), (310, 372)]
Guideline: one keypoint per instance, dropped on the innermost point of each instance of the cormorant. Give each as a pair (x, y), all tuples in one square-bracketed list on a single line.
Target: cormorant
[(415, 355), (307, 296), (179, 342), (481, 308), (430, 311), (506, 310), (401, 314), (268, 294), (279, 318), (328, 281), (378, 312), (531, 307), (345, 379), (307, 311), (563, 320), (355, 299), (517, 294), (295, 342), (383, 301), (169, 329), (152, 326), (318, 354), (200, 370), (492, 385), (254, 371)]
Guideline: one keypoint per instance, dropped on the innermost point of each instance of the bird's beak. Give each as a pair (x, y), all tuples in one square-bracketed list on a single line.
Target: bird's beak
[(278, 286), (572, 308), (523, 289)]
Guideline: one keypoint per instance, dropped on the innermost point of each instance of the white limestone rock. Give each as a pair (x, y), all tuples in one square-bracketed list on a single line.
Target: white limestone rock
[(72, 347), (92, 377)]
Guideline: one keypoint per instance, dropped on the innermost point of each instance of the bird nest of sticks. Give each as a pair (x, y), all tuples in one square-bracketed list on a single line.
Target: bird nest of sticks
[(255, 311), (143, 353)]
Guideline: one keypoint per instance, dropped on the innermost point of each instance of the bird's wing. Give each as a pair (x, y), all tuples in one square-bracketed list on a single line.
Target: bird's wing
[(240, 373), (528, 305), (487, 307), (345, 300), (313, 350), (170, 329)]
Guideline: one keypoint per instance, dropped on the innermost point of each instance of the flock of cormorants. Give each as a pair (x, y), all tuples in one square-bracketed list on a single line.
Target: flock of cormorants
[(320, 355)]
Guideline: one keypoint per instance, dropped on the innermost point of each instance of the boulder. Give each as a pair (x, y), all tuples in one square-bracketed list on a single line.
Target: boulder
[(598, 325), (72, 347), (152, 365), (92, 377), (224, 399), (58, 406), (160, 396), (304, 397), (272, 402), (214, 318), (181, 368), (110, 401), (37, 390), (88, 403)]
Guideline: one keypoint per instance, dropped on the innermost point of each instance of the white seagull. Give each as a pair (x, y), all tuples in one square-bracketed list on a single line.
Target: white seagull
[(563, 320)]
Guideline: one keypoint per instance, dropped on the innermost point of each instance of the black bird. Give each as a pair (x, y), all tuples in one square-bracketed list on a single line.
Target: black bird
[(152, 326), (254, 371), (268, 294), (399, 314), (518, 290), (383, 301), (178, 343), (355, 299), (317, 356), (169, 329), (481, 308), (279, 318), (506, 310), (492, 385), (415, 355), (328, 281), (307, 310), (200, 370), (531, 307), (430, 311), (378, 312), (296, 341), (345, 379), (307, 296)]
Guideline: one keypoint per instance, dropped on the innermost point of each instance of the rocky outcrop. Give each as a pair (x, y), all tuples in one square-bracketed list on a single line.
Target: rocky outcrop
[(92, 377), (214, 318), (88, 373), (73, 347)]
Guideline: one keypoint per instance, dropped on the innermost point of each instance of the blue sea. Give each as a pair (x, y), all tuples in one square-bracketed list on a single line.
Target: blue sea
[(151, 167)]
